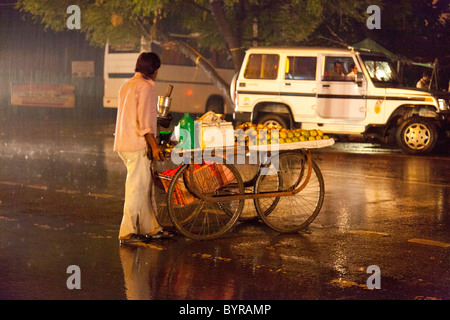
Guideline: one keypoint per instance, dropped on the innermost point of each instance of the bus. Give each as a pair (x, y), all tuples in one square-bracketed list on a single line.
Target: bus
[(193, 92)]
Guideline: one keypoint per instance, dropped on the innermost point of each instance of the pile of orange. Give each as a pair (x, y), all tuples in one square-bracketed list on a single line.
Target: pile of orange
[(257, 134)]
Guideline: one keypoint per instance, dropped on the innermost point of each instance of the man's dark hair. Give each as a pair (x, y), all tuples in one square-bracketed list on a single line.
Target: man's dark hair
[(426, 73), (148, 63)]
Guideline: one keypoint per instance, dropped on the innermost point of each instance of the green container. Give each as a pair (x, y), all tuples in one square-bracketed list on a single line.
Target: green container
[(187, 132)]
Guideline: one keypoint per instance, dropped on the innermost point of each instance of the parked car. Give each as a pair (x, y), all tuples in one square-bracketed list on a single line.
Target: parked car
[(340, 91)]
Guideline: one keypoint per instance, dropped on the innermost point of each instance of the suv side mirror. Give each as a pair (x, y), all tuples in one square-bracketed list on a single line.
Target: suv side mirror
[(359, 78)]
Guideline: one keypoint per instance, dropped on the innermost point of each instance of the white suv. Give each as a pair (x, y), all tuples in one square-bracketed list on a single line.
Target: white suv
[(340, 91)]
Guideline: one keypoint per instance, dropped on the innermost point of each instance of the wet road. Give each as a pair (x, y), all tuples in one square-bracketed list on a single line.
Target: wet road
[(61, 199)]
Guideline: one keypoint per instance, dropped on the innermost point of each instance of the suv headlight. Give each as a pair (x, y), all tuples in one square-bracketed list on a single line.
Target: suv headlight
[(443, 104)]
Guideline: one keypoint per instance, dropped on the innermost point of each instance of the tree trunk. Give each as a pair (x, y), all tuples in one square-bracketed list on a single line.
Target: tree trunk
[(233, 42)]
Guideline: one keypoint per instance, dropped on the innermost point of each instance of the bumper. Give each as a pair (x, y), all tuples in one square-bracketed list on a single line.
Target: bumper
[(241, 117)]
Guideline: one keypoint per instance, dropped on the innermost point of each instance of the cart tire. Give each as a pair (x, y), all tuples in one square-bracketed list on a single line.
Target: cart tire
[(249, 173), (159, 196), (199, 219), (289, 214)]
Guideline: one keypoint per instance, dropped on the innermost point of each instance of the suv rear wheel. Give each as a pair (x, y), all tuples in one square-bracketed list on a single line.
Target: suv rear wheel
[(273, 119), (417, 135)]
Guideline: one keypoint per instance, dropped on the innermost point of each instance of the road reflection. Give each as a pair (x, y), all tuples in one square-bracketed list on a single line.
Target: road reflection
[(249, 265)]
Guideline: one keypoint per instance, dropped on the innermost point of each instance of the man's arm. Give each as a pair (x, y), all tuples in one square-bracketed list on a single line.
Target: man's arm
[(147, 115)]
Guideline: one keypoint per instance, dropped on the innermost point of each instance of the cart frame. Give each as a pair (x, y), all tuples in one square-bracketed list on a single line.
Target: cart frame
[(236, 195)]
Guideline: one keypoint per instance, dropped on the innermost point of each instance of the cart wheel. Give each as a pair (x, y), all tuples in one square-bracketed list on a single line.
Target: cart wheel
[(287, 214), (199, 219), (159, 204), (158, 198), (249, 173)]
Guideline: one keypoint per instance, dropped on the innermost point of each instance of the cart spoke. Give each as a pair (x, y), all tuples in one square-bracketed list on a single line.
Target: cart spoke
[(295, 212), (203, 219)]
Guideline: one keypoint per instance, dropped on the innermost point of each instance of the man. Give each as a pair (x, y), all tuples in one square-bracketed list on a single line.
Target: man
[(352, 74), (338, 70), (136, 128), (424, 83)]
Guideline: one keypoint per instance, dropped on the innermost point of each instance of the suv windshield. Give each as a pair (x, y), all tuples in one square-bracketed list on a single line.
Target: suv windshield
[(380, 70)]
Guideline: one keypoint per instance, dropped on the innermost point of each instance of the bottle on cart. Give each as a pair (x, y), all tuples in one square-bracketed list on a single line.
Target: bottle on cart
[(187, 132)]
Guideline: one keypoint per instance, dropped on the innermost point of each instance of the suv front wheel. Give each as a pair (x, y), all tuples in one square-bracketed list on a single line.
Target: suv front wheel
[(417, 135)]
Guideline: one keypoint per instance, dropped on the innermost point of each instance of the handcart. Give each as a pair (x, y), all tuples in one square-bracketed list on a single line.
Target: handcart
[(204, 200)]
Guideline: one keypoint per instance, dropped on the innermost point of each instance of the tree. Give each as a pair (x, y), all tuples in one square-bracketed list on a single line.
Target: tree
[(419, 30), (220, 24)]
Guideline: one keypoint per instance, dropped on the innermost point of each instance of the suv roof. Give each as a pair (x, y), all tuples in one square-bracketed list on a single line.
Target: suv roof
[(301, 49)]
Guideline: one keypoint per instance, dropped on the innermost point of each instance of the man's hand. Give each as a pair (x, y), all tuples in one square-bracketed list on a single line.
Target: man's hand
[(157, 154)]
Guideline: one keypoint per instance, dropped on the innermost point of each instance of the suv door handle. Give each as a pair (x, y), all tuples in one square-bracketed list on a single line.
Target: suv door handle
[(287, 84), (325, 86)]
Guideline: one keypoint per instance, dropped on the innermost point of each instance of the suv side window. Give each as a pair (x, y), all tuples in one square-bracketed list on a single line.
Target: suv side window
[(262, 66), (339, 69), (300, 68)]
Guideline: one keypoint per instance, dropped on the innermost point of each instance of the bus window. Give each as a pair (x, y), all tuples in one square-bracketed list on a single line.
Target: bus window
[(172, 57)]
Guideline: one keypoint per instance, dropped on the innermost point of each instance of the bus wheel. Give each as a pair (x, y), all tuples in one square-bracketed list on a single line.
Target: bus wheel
[(216, 104), (273, 119), (417, 135)]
